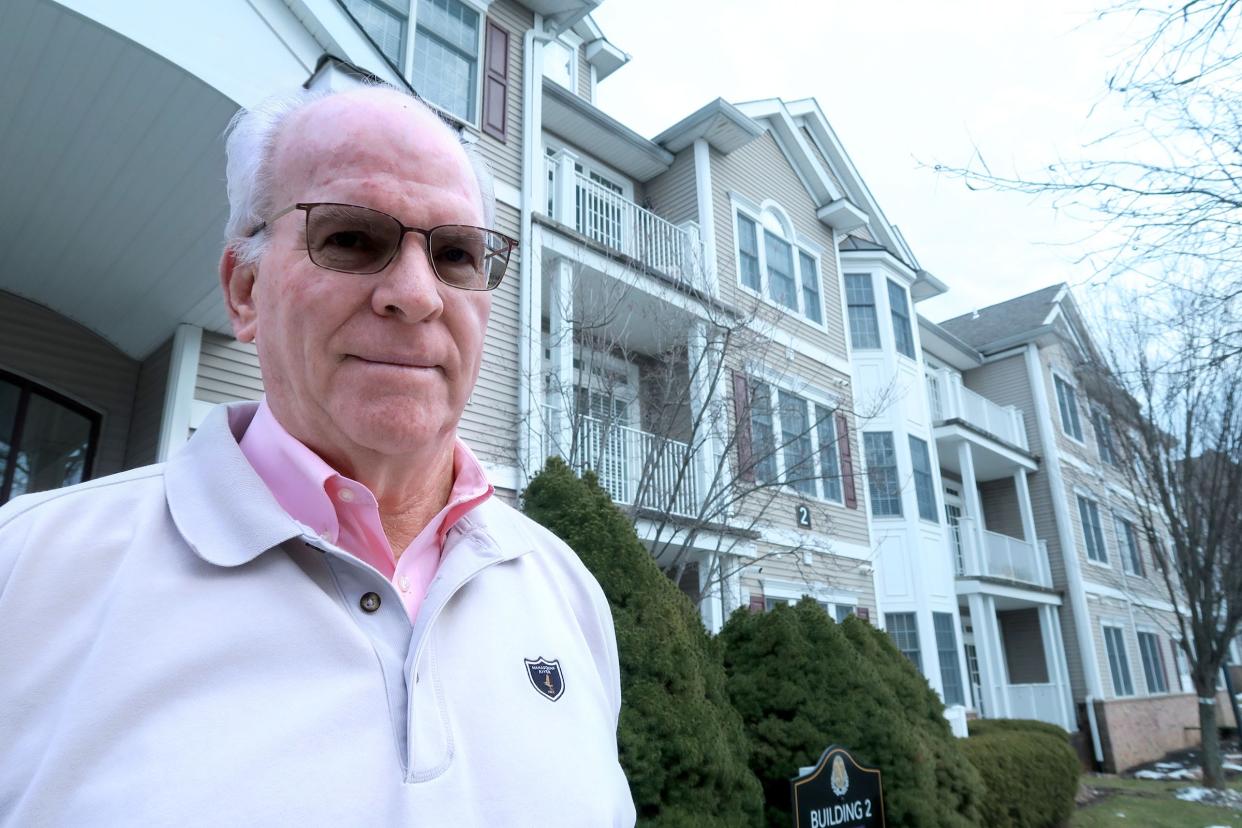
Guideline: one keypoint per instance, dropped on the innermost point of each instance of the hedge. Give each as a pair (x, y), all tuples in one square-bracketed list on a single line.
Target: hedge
[(801, 684), (681, 743), (1031, 776), (981, 727)]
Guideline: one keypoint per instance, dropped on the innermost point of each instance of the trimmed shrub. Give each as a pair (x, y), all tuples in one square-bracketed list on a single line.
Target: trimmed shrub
[(801, 684), (1031, 776), (681, 743), (981, 727)]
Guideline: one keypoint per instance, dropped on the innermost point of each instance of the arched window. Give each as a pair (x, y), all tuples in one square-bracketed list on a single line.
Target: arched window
[(772, 264), (46, 440)]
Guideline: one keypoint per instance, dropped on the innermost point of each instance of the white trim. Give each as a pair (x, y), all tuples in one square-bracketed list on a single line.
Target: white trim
[(1105, 591), (971, 586), (782, 536), (743, 206), (187, 344), (199, 411), (589, 164), (1078, 463), (706, 208), (506, 193)]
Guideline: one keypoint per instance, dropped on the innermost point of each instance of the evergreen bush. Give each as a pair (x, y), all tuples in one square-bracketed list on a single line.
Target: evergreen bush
[(681, 743), (801, 684), (1031, 777), (981, 727)]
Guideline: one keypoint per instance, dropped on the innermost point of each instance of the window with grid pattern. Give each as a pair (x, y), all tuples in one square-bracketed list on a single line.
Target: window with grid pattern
[(748, 251), (1103, 436), (1153, 663), (829, 453), (796, 439), (1067, 403), (384, 22), (781, 285), (882, 473), (1118, 663), (946, 648), (860, 302), (1089, 512), (446, 55), (810, 287), (762, 434), (904, 631), (844, 611), (1131, 557), (923, 485), (902, 335)]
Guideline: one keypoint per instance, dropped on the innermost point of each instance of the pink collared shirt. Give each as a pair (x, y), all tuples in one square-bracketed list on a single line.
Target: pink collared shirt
[(345, 512)]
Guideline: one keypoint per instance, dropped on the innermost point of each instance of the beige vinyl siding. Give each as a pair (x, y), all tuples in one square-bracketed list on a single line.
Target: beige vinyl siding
[(584, 73), (505, 158), (1005, 382), (148, 410), (760, 171), (228, 370), (489, 423), (673, 195), (54, 351), (822, 159), (1000, 507)]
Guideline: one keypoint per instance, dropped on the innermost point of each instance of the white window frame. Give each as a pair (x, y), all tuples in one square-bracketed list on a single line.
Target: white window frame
[(1138, 633), (1081, 440), (1091, 498), (787, 592), (931, 481), (875, 309), (811, 397), (1123, 548), (1098, 414), (862, 443), (1120, 627), (407, 63), (797, 245), (891, 283)]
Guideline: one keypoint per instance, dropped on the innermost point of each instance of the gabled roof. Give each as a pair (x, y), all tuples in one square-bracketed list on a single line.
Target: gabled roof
[(857, 243), (719, 122), (1008, 321)]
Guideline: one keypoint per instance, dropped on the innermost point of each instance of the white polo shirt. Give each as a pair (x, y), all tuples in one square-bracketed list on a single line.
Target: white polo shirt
[(176, 650)]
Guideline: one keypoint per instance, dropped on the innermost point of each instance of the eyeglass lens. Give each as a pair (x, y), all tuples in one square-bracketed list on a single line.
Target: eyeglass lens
[(354, 239)]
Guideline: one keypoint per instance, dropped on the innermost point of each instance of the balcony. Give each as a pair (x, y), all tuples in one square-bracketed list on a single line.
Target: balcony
[(1001, 556), (608, 218), (1035, 701), (950, 400), (635, 467)]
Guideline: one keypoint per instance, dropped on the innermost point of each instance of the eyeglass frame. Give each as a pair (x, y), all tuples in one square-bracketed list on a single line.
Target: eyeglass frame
[(307, 206)]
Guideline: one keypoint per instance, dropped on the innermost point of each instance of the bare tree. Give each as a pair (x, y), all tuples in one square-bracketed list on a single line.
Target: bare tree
[(1173, 389), (674, 407)]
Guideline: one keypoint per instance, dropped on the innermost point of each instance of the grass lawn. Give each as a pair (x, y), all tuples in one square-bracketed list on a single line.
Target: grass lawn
[(1151, 804)]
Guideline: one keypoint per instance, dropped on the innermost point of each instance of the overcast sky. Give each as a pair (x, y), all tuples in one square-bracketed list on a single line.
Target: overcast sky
[(904, 84)]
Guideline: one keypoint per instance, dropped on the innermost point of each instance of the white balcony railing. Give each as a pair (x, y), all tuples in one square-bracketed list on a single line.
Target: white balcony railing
[(609, 218), (635, 467), (951, 400), (991, 554), (1035, 701)]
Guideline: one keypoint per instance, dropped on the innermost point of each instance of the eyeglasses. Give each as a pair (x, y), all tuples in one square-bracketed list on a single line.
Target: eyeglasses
[(352, 239)]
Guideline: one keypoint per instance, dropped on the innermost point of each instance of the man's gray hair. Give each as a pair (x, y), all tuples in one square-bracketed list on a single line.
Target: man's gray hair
[(251, 140)]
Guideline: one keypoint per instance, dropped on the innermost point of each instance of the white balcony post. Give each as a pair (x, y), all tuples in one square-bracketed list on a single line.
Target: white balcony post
[(1019, 426), (993, 674), (1058, 672), (561, 342), (970, 498), (705, 441), (953, 383), (566, 201)]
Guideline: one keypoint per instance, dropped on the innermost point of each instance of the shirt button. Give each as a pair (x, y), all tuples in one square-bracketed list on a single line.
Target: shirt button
[(346, 495), (370, 602), (404, 583)]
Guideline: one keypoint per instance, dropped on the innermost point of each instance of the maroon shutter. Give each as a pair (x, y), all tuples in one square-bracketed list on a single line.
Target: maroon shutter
[(741, 417), (847, 463), (756, 602), (496, 82)]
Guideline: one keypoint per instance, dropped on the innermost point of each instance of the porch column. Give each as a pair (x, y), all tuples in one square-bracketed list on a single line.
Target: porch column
[(565, 201), (1024, 506), (712, 606), (706, 392), (974, 506), (990, 650), (1058, 667), (560, 388)]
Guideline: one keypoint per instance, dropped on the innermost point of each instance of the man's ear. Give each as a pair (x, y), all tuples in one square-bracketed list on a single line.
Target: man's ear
[(237, 280)]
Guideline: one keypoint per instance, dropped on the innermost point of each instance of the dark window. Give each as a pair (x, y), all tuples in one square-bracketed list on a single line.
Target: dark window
[(923, 485), (1153, 663), (1089, 513), (902, 336), (829, 459), (946, 648), (1118, 663), (810, 287), (1068, 405), (796, 440), (748, 252), (780, 271), (882, 473), (860, 299), (1104, 436), (763, 440), (905, 634), (46, 440), (1127, 538)]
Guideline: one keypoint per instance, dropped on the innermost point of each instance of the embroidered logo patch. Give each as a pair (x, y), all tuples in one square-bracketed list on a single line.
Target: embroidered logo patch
[(545, 676)]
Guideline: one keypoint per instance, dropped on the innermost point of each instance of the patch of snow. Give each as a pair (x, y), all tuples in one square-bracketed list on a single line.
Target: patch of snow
[(1193, 794), (1232, 766), (1169, 765)]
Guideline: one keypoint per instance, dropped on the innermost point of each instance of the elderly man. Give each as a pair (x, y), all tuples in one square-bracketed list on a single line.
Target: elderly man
[(317, 613)]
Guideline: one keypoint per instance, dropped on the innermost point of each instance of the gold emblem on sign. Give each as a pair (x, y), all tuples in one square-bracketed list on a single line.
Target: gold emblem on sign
[(840, 779)]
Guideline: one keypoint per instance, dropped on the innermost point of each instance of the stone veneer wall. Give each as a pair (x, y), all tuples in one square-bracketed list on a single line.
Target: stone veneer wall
[(1138, 730)]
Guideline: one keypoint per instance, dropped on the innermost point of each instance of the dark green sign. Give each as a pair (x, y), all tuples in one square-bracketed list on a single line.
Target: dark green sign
[(837, 793)]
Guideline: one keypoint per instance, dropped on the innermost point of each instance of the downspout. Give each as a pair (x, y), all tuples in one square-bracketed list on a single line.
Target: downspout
[(1069, 552), (532, 106)]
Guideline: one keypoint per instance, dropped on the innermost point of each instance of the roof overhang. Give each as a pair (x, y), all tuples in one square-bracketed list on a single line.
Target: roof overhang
[(879, 258), (789, 136), (559, 15), (927, 286), (841, 215), (946, 347), (578, 121), (720, 123), (605, 57)]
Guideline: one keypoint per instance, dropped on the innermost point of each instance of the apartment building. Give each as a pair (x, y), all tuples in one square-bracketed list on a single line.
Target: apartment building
[(719, 321)]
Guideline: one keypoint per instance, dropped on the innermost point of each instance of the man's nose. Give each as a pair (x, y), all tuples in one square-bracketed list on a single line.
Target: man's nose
[(408, 288)]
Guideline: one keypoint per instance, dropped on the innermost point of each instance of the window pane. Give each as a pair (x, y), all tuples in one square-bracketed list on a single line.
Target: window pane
[(860, 298), (923, 486), (1103, 436), (780, 271), (763, 443), (446, 56), (810, 287), (1153, 663), (796, 438), (843, 611), (882, 473), (1118, 664), (748, 252), (905, 634), (384, 24), (1128, 540), (946, 648), (902, 336), (1068, 406), (1089, 513), (829, 454), (54, 446)]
